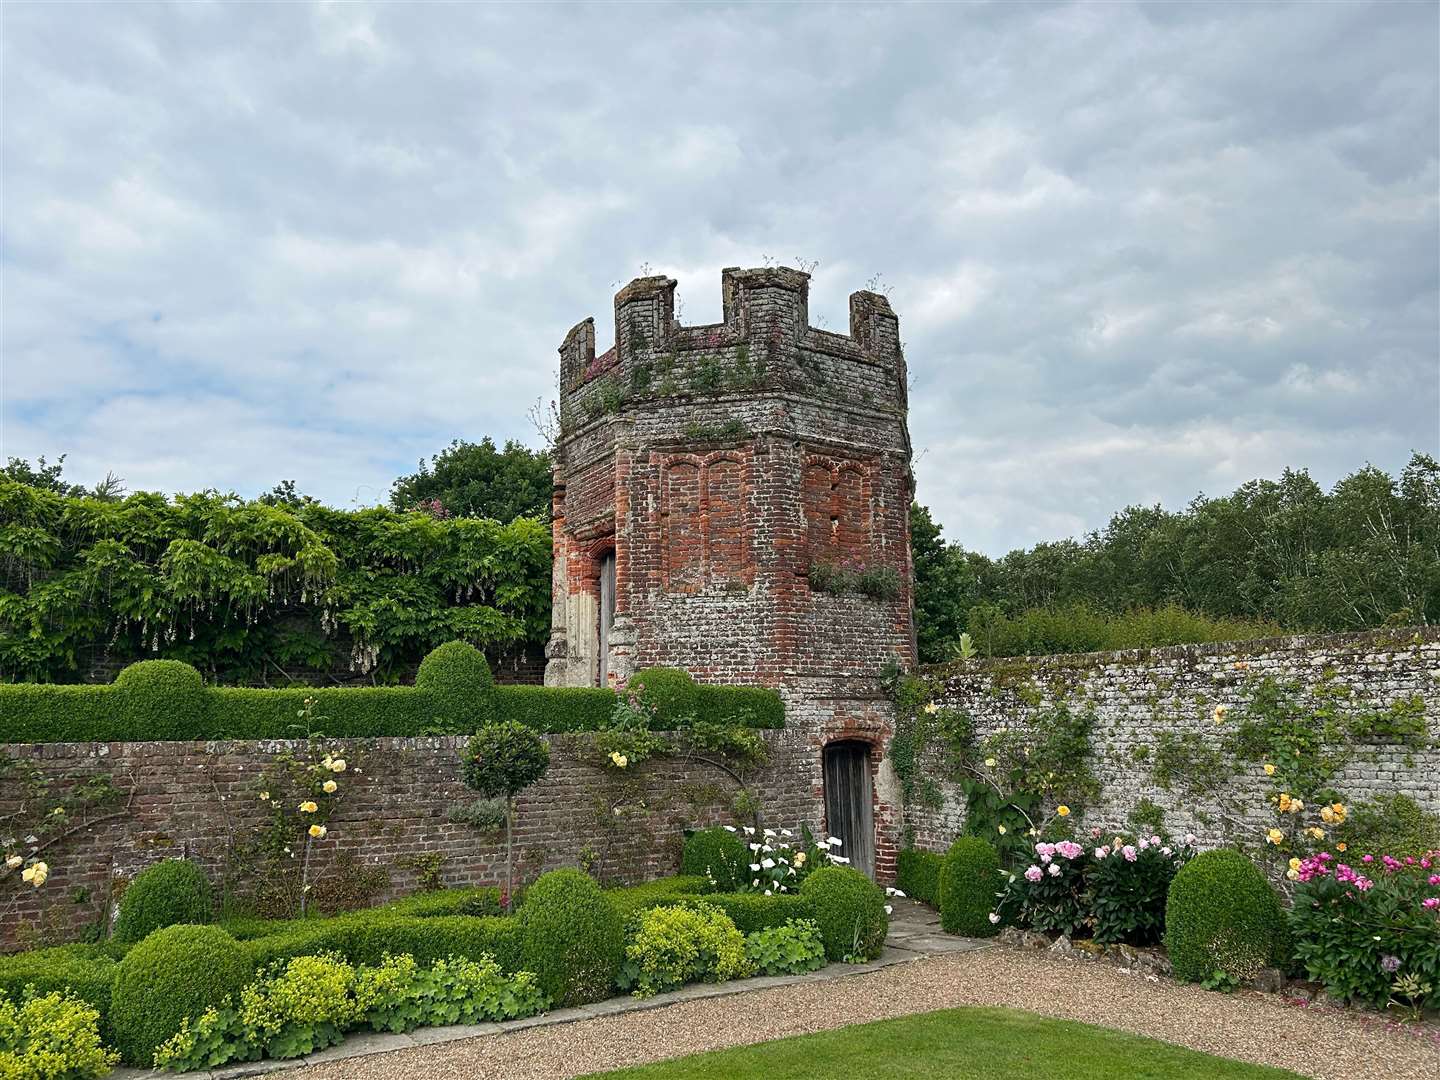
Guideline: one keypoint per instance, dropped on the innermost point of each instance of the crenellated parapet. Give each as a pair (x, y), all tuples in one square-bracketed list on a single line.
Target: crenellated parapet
[(763, 344)]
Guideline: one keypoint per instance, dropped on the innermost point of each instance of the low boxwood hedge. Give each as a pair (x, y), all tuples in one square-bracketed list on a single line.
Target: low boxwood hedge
[(917, 875), (86, 970), (159, 700)]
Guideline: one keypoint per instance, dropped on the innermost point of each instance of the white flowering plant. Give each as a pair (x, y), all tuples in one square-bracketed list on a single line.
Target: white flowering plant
[(780, 859)]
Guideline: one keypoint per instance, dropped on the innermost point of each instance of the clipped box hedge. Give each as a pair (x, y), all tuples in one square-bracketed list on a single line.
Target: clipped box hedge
[(917, 875), (164, 700)]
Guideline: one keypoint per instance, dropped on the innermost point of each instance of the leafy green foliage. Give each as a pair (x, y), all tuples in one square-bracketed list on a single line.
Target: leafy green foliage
[(850, 911), (51, 1037), (917, 875), (503, 759), (174, 973), (309, 1002), (57, 713), (1222, 915), (668, 693), (573, 939), (476, 480), (246, 591), (167, 893), (876, 582), (1360, 941), (969, 881), (681, 943), (717, 855), (84, 971), (1127, 897), (1281, 553), (791, 949), (457, 677), (1390, 824)]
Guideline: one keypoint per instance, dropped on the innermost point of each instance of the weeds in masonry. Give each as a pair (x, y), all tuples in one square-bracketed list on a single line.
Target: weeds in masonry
[(876, 582)]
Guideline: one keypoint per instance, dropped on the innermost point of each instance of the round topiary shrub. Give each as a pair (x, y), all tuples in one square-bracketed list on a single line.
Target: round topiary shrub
[(969, 880), (716, 854), (672, 693), (850, 909), (1222, 916), (161, 700), (170, 892), (457, 677), (572, 937), (174, 973)]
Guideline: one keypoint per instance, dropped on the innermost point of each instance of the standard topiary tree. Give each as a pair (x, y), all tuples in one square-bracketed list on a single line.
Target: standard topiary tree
[(717, 854), (170, 892), (457, 677), (1222, 916), (969, 880), (174, 973), (670, 692), (573, 938), (502, 760), (162, 699), (850, 909)]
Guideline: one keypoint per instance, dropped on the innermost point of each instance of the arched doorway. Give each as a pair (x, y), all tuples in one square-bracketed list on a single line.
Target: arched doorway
[(848, 810)]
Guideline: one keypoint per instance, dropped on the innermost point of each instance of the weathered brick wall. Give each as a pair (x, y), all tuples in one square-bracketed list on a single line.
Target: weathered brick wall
[(1140, 695), (201, 800), (719, 464)]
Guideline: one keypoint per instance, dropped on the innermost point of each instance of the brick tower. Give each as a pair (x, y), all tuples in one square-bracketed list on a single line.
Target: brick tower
[(733, 500)]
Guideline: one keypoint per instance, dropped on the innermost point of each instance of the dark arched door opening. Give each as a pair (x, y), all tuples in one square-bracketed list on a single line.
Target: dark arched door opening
[(848, 811)]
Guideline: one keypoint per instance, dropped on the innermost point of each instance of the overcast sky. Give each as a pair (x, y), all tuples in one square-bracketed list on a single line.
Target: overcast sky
[(1137, 251)]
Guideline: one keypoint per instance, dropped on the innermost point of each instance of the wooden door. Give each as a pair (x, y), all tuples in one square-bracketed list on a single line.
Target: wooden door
[(848, 811), (606, 615)]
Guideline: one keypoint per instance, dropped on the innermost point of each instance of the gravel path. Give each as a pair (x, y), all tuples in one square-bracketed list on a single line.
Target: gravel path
[(1321, 1042)]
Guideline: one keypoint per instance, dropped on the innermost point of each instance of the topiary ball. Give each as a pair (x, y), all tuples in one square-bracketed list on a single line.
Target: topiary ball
[(1222, 915), (573, 938), (161, 700), (175, 973), (503, 759), (672, 693), (170, 892), (850, 909), (969, 880), (716, 854), (457, 677)]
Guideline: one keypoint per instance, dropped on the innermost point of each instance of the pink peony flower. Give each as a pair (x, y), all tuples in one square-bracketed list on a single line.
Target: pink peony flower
[(1054, 869), (1130, 853), (1034, 874), (1431, 902)]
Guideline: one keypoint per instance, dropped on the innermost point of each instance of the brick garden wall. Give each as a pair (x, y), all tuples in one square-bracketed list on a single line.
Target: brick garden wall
[(1142, 694), (201, 800)]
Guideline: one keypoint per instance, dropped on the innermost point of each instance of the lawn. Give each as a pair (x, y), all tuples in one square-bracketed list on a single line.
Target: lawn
[(983, 1044)]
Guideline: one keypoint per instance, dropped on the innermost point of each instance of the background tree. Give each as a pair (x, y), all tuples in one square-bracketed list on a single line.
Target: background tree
[(502, 760), (471, 479)]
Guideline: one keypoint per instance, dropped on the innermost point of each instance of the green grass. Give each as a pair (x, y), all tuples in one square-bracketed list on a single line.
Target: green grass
[(983, 1044)]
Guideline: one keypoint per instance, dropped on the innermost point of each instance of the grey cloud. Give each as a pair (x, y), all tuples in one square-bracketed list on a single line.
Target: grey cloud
[(1138, 251)]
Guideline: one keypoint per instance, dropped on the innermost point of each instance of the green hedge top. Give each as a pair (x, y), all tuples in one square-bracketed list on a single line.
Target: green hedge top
[(159, 701)]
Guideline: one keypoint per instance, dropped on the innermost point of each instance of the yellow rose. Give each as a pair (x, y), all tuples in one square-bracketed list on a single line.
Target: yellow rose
[(1269, 769), (1326, 814), (1219, 714), (1000, 829), (800, 858), (14, 861), (338, 765), (1341, 846), (1317, 833), (1296, 805), (1294, 864), (329, 787), (35, 874), (1274, 836), (308, 807), (989, 762), (1062, 810), (318, 831), (264, 796), (1292, 874), (1284, 801), (931, 708)]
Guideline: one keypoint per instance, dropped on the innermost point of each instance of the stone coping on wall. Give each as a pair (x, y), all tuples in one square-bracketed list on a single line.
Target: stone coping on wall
[(1390, 638)]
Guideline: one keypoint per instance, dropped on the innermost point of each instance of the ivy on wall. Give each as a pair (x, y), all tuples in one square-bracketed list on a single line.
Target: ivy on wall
[(247, 591)]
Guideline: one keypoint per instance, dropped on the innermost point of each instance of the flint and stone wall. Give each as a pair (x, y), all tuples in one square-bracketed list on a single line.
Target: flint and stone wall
[(1140, 695)]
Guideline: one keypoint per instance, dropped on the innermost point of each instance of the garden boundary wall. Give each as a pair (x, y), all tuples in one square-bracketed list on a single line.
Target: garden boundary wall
[(1146, 699), (390, 833)]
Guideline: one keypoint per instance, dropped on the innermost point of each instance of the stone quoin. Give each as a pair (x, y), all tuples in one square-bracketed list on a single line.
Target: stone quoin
[(733, 499)]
